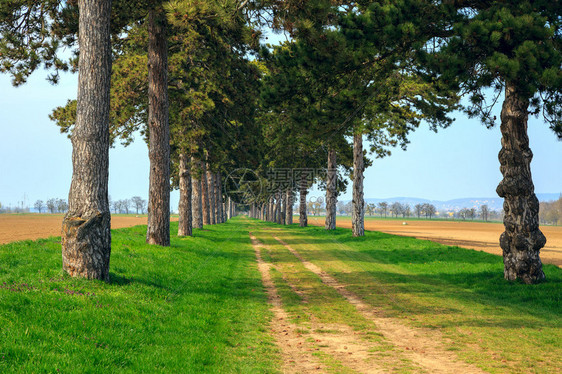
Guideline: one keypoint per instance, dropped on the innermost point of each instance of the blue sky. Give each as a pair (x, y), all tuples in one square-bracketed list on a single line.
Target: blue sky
[(461, 161)]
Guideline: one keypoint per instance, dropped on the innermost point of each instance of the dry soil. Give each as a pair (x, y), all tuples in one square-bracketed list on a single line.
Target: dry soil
[(475, 235)]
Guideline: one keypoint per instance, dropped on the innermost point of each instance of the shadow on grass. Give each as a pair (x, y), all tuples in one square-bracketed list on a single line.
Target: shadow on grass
[(409, 266), (390, 249)]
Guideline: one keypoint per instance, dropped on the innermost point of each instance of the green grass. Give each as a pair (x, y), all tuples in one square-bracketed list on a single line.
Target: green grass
[(199, 305), (311, 304), (498, 325), (195, 307)]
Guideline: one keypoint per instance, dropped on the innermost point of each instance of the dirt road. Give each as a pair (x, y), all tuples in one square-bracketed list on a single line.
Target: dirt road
[(474, 235)]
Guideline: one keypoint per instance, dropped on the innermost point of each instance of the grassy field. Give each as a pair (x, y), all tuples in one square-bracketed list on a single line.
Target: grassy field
[(199, 306), (195, 307)]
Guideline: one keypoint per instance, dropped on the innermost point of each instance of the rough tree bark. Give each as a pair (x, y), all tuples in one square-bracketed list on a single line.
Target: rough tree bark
[(522, 240), (289, 207), (331, 191), (278, 208), (86, 235), (283, 204), (196, 202), (216, 208), (303, 219), (227, 208), (212, 197), (268, 211), (220, 205), (358, 204), (158, 230), (205, 195), (184, 210)]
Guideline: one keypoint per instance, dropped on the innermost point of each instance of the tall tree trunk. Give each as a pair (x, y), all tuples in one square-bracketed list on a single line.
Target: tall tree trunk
[(358, 204), (196, 202), (283, 204), (185, 218), (212, 197), (268, 211), (289, 207), (522, 240), (331, 191), (222, 199), (205, 195), (229, 208), (158, 230), (303, 219), (218, 198), (86, 235), (278, 208)]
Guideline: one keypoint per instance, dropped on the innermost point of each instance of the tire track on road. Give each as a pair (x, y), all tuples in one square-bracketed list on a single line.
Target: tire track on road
[(423, 347)]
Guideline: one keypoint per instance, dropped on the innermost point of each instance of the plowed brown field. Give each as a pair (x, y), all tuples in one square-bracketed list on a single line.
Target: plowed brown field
[(14, 227), (474, 235)]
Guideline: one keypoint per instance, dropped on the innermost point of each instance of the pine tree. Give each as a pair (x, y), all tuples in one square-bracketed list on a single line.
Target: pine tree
[(514, 50), (86, 236)]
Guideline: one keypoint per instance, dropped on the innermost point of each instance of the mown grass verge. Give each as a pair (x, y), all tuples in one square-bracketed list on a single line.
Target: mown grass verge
[(497, 325), (195, 307)]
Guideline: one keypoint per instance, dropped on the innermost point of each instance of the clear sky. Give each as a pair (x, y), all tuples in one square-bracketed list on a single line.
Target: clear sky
[(461, 161)]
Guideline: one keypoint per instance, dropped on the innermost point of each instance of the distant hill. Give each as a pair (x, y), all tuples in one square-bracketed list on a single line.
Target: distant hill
[(494, 203)]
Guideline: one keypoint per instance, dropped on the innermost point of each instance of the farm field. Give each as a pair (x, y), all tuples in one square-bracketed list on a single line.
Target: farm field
[(254, 297), (475, 235), (14, 227)]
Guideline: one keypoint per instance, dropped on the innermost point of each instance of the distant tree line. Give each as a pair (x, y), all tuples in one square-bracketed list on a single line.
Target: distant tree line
[(52, 206), (16, 209), (136, 204), (550, 212), (125, 206), (426, 210), (395, 209)]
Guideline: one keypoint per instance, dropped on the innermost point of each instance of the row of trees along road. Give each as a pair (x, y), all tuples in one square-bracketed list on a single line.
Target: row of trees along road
[(209, 99)]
